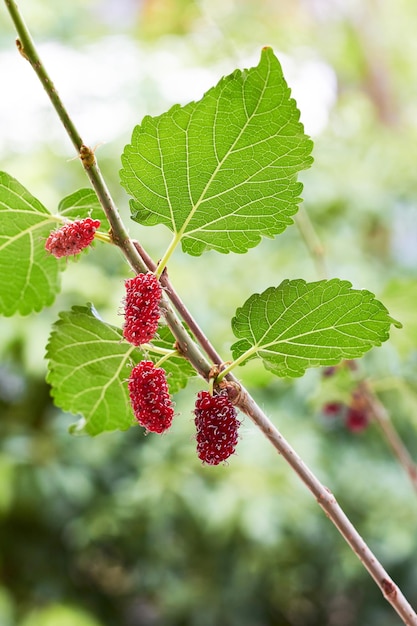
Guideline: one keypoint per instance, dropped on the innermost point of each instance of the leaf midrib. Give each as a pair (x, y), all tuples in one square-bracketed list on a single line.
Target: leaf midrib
[(28, 231), (180, 233)]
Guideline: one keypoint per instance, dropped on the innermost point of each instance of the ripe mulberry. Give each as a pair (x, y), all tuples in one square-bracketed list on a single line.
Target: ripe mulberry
[(149, 397), (141, 310), (333, 409), (217, 426), (357, 420), (72, 238)]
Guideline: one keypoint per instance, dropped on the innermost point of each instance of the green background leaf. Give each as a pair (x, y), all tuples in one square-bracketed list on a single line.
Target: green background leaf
[(83, 203), (221, 172), (29, 276), (89, 365), (299, 325)]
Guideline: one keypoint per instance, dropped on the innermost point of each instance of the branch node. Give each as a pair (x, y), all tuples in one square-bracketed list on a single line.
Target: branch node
[(87, 156), (21, 49), (235, 392), (388, 587)]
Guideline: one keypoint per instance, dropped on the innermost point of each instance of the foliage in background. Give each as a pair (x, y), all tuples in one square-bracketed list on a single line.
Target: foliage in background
[(136, 532)]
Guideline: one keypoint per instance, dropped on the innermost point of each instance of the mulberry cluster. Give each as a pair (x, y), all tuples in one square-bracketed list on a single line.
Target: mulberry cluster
[(141, 310), (217, 426), (149, 397), (72, 238), (355, 418), (354, 414)]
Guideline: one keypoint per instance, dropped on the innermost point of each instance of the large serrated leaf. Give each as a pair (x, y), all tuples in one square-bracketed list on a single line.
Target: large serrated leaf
[(83, 203), (89, 364), (299, 325), (222, 172), (29, 276)]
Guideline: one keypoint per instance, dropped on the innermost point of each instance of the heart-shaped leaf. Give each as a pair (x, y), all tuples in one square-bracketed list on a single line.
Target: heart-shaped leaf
[(221, 172)]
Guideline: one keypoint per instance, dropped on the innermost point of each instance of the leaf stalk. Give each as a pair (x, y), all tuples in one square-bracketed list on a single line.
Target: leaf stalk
[(168, 253)]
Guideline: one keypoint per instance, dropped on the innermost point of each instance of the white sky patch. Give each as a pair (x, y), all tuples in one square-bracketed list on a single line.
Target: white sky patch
[(314, 87), (109, 87)]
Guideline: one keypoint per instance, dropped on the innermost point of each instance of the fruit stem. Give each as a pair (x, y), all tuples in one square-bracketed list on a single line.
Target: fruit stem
[(103, 237), (167, 356)]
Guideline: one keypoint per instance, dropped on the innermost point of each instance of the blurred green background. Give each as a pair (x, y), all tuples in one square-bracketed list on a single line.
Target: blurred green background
[(127, 530)]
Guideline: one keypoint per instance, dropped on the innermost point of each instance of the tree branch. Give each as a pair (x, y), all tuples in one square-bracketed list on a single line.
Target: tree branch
[(334, 512), (119, 234), (140, 262)]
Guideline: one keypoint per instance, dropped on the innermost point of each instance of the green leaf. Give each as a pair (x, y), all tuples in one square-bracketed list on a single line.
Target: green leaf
[(88, 369), (221, 172), (89, 365), (83, 203), (298, 325), (29, 276)]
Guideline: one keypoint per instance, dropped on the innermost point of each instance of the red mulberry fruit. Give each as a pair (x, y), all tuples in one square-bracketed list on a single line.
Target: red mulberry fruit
[(72, 238), (357, 420), (217, 426), (149, 397), (333, 409), (142, 313)]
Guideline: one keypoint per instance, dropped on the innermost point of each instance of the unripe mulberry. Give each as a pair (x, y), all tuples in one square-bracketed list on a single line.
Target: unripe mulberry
[(217, 426), (72, 238), (141, 310), (149, 397)]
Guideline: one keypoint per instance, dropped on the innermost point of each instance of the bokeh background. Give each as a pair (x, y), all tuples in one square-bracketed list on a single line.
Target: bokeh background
[(127, 530)]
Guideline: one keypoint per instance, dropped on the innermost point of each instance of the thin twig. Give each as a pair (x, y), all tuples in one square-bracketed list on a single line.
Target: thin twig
[(311, 240), (376, 408), (381, 416), (243, 400)]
